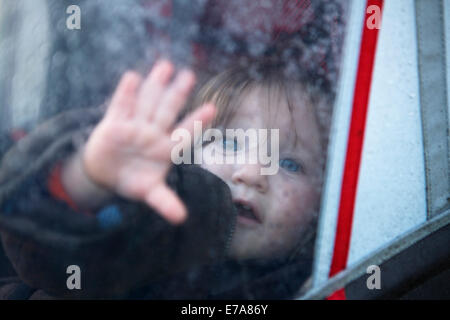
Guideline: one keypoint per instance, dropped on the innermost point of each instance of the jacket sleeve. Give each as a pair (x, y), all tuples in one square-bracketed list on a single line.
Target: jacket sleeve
[(43, 235)]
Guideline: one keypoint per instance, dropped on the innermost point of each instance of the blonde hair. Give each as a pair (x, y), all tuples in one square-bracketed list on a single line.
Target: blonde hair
[(226, 90)]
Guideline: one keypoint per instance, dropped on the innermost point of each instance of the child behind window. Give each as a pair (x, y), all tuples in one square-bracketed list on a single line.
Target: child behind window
[(265, 224)]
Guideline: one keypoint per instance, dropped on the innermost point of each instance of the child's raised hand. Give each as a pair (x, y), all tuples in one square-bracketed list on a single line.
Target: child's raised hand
[(129, 150)]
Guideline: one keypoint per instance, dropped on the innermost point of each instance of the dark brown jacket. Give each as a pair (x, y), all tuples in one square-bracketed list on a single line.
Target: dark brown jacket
[(141, 257)]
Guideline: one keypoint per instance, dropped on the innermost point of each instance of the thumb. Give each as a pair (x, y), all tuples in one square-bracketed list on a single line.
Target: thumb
[(167, 203)]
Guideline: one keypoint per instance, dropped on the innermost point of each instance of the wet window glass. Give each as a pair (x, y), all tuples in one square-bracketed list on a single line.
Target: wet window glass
[(165, 149)]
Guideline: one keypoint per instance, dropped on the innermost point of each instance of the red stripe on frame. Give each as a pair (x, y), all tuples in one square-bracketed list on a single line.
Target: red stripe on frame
[(354, 148), (337, 295)]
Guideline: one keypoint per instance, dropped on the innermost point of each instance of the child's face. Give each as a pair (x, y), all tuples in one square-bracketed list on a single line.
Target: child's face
[(282, 204)]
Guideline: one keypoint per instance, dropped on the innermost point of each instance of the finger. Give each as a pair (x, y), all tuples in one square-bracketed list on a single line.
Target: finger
[(124, 98), (204, 114), (174, 99), (166, 202), (153, 89)]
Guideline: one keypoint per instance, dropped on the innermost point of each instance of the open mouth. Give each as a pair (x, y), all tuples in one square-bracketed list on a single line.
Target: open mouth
[(246, 212)]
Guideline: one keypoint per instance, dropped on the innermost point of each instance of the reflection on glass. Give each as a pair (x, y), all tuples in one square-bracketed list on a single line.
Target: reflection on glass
[(93, 183)]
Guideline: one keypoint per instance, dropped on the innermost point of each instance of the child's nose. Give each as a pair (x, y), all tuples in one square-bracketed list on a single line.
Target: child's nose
[(250, 175)]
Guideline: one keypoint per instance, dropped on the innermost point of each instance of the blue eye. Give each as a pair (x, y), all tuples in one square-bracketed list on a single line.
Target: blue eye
[(289, 165), (230, 144)]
